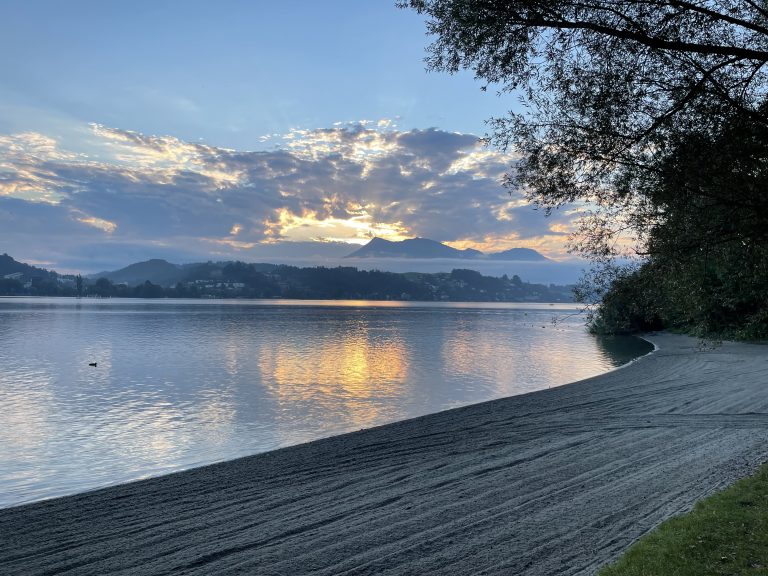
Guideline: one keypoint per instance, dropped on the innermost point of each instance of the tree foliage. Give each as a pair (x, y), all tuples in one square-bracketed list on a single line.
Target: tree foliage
[(603, 84), (653, 115)]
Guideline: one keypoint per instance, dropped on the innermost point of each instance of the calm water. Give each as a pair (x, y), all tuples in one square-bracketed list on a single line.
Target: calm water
[(184, 383)]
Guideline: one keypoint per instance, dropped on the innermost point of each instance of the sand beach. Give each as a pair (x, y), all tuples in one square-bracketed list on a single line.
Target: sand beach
[(553, 482)]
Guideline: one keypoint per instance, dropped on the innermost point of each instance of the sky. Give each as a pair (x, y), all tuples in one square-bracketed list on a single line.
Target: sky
[(258, 131)]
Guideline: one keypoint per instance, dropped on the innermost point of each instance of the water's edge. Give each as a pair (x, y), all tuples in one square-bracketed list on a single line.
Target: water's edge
[(303, 446)]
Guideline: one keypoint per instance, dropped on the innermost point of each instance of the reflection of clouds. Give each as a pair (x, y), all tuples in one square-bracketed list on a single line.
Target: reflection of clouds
[(461, 351), (155, 430), (28, 411), (356, 376), (186, 384), (142, 431), (478, 351), (216, 415), (559, 354), (30, 418), (231, 354)]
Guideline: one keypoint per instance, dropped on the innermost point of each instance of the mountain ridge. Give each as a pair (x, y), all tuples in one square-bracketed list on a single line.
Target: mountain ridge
[(426, 248)]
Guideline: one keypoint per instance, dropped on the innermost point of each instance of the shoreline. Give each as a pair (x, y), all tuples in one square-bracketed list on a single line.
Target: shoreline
[(557, 481)]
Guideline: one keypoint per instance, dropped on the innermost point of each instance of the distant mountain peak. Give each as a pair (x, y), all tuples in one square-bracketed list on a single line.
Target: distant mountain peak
[(410, 248), (518, 254), (426, 248)]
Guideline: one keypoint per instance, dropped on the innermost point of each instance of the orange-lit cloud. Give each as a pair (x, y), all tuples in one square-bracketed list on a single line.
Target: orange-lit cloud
[(357, 228), (344, 184), (100, 223)]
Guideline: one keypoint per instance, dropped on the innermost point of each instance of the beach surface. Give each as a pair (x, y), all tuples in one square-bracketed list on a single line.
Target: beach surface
[(554, 482)]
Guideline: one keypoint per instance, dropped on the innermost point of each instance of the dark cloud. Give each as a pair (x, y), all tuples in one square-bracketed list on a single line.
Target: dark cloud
[(148, 194)]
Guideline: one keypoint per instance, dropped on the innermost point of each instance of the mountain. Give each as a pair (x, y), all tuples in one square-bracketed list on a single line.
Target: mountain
[(9, 266), (412, 248), (156, 271), (424, 248), (518, 254)]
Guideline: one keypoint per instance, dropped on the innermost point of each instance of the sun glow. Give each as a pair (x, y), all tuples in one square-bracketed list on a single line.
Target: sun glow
[(312, 226)]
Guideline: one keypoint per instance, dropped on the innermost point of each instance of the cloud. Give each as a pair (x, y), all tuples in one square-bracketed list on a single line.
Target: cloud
[(343, 184)]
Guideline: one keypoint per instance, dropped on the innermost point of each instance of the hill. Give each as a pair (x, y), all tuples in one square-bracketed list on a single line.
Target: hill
[(9, 266), (20, 279), (156, 271)]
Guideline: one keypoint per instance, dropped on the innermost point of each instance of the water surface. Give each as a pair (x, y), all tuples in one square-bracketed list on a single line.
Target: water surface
[(189, 382)]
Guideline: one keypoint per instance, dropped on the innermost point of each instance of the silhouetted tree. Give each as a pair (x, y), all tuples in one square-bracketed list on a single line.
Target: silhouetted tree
[(149, 290), (653, 112), (605, 85), (10, 287)]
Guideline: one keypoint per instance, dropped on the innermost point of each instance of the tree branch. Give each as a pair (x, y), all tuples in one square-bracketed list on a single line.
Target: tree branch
[(644, 39)]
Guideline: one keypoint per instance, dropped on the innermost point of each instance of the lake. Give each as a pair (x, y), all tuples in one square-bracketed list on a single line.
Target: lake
[(182, 383)]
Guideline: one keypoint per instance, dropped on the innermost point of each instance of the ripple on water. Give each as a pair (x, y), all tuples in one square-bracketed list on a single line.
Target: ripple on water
[(179, 384)]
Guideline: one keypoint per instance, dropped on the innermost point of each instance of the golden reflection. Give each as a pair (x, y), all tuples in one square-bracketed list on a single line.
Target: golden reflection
[(351, 377)]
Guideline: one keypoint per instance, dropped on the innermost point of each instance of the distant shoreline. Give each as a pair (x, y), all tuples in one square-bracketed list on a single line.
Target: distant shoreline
[(552, 482), (234, 279), (309, 301)]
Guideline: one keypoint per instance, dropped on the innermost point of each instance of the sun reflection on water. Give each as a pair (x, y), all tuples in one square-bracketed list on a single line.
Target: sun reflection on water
[(355, 376), (181, 384)]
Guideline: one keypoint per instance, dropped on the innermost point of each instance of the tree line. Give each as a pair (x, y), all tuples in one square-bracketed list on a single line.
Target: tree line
[(241, 280)]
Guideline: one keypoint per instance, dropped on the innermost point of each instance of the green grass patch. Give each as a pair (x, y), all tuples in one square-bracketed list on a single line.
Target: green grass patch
[(726, 534)]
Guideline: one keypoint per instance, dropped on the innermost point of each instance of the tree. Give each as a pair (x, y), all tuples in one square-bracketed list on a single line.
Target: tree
[(103, 287), (10, 287), (148, 290), (79, 285), (653, 116), (707, 264), (605, 86)]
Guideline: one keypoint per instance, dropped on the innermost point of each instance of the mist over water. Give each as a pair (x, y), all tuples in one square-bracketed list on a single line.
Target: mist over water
[(179, 384)]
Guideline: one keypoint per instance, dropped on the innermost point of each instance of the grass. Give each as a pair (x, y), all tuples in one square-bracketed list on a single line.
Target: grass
[(726, 534)]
